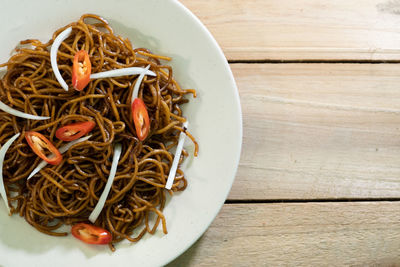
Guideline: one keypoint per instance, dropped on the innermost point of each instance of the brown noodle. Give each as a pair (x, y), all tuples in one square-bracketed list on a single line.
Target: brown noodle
[(68, 192)]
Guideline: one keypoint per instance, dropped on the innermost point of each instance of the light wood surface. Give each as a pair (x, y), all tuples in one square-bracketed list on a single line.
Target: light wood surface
[(303, 29), (306, 234), (319, 131), (318, 182)]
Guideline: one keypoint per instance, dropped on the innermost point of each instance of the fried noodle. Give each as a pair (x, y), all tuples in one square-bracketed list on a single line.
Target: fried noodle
[(68, 192)]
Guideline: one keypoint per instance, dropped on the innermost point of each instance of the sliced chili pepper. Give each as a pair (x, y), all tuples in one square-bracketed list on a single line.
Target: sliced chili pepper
[(140, 118), (43, 148), (81, 70), (74, 131), (91, 234)]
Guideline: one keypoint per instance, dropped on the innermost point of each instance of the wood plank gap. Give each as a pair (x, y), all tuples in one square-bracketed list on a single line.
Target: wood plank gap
[(333, 200), (311, 61)]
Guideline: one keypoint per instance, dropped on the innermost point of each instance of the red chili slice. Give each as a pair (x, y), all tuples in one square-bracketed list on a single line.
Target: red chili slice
[(74, 131), (91, 234), (81, 70), (140, 118), (43, 148)]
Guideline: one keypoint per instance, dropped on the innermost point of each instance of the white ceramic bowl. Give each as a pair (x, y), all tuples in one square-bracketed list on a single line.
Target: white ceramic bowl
[(166, 27)]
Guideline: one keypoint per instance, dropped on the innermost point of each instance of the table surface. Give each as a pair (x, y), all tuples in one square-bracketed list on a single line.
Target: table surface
[(319, 177)]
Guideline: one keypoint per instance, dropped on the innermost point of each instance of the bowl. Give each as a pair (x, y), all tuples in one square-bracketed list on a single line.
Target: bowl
[(167, 28)]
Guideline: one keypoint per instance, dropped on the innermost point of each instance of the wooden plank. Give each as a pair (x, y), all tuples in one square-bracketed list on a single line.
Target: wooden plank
[(307, 234), (306, 29), (315, 131)]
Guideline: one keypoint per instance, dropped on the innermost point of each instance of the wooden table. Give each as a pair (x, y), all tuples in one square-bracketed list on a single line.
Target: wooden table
[(319, 176)]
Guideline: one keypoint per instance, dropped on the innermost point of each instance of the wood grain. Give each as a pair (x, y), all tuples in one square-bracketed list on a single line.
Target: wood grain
[(307, 234), (311, 132), (319, 131), (306, 29)]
